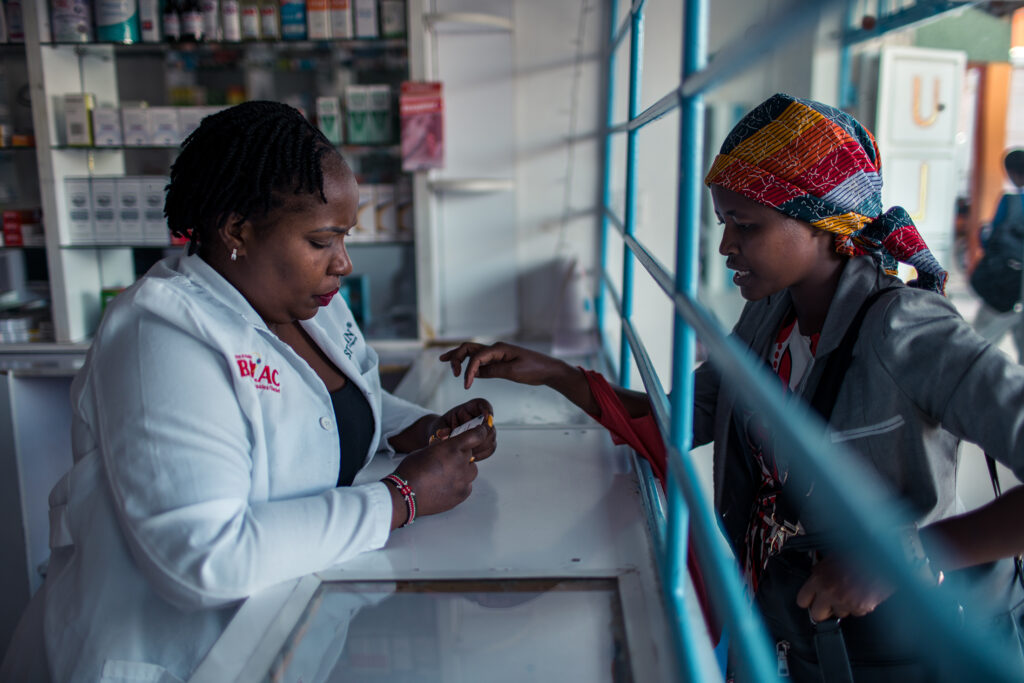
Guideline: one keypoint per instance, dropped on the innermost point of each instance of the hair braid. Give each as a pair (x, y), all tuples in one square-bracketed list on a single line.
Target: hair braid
[(237, 163)]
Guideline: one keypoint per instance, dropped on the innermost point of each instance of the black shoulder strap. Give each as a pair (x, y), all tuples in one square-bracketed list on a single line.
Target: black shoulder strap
[(824, 399)]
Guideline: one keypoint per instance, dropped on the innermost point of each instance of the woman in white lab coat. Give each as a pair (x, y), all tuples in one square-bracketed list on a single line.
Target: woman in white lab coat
[(225, 406)]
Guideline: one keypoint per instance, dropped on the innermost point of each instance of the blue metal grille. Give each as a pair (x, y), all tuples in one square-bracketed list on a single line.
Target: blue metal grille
[(868, 520)]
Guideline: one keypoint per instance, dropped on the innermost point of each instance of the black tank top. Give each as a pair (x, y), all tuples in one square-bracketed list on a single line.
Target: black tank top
[(355, 429)]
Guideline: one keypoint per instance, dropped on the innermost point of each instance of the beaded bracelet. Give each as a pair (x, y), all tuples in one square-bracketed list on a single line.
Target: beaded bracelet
[(407, 493)]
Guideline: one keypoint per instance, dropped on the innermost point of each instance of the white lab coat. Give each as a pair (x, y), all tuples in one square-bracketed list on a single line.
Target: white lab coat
[(206, 459)]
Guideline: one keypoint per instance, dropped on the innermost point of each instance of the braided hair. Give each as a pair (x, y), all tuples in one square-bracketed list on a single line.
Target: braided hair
[(237, 163)]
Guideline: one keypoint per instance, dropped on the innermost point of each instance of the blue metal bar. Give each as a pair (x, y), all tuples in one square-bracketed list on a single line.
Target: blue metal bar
[(614, 220), (606, 180), (635, 72), (654, 112), (652, 384), (691, 127), (846, 89), (903, 18), (752, 45)]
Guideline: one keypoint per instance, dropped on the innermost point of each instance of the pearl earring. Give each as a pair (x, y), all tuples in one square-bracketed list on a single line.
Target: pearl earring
[(234, 254)]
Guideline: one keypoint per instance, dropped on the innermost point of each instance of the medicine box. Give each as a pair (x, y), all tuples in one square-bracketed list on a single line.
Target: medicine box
[(163, 127), (104, 210), (77, 119), (189, 119), (366, 224), (380, 113), (78, 208), (106, 126), (364, 18), (341, 19), (328, 116), (135, 125), (318, 20), (154, 225), (404, 209), (129, 210), (392, 18), (386, 213)]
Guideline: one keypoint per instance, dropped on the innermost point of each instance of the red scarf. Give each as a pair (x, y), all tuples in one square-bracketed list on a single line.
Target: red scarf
[(644, 437)]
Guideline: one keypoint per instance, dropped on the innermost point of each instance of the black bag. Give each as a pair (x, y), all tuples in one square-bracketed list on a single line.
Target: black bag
[(997, 277)]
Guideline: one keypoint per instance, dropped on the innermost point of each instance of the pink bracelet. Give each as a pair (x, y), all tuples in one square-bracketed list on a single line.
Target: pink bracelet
[(407, 493)]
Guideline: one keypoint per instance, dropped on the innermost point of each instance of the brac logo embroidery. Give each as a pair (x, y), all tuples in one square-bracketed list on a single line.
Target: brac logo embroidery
[(263, 376)]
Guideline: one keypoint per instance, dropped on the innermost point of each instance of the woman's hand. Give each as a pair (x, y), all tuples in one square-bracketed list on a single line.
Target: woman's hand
[(441, 475), (514, 363), (504, 361), (835, 589), (442, 426)]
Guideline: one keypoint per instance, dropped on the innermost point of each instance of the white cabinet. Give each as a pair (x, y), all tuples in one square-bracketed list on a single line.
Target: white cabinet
[(118, 76)]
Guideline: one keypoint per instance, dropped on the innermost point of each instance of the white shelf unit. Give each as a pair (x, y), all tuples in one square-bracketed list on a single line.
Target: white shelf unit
[(78, 273)]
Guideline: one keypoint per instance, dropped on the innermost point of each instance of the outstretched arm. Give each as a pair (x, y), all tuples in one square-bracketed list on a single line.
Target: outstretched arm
[(516, 364)]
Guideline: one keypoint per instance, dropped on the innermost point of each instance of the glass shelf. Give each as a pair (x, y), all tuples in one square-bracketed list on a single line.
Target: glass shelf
[(347, 149), (355, 44)]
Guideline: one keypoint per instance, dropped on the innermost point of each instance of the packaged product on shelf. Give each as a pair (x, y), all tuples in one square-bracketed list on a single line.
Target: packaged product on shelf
[(380, 113), (357, 112), (270, 20), (189, 119), (318, 20), (129, 210), (15, 21), (328, 116), (106, 126), (135, 124), (171, 21), (392, 18), (210, 10), (23, 228), (364, 18), (162, 126), (293, 19), (71, 21), (366, 226), (154, 225), (78, 119), (404, 208), (104, 210), (386, 211), (368, 114), (230, 21), (250, 13), (117, 21), (149, 21), (341, 19), (78, 208), (191, 16), (421, 112)]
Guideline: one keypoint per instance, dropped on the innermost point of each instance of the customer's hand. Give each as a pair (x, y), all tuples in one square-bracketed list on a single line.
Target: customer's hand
[(504, 361), (441, 475), (442, 426), (838, 589)]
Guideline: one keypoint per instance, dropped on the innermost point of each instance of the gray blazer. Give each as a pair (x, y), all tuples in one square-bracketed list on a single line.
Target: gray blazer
[(920, 380)]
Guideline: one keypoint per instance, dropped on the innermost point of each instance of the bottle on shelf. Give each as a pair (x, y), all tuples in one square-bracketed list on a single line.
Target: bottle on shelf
[(270, 19), (191, 14), (230, 21), (250, 20), (117, 21), (172, 21), (150, 21), (71, 21), (211, 19)]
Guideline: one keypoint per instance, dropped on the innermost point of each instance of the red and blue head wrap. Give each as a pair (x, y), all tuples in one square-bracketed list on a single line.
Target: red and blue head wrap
[(818, 164)]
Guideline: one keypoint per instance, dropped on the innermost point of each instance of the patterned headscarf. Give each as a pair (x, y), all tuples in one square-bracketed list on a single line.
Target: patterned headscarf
[(818, 164)]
